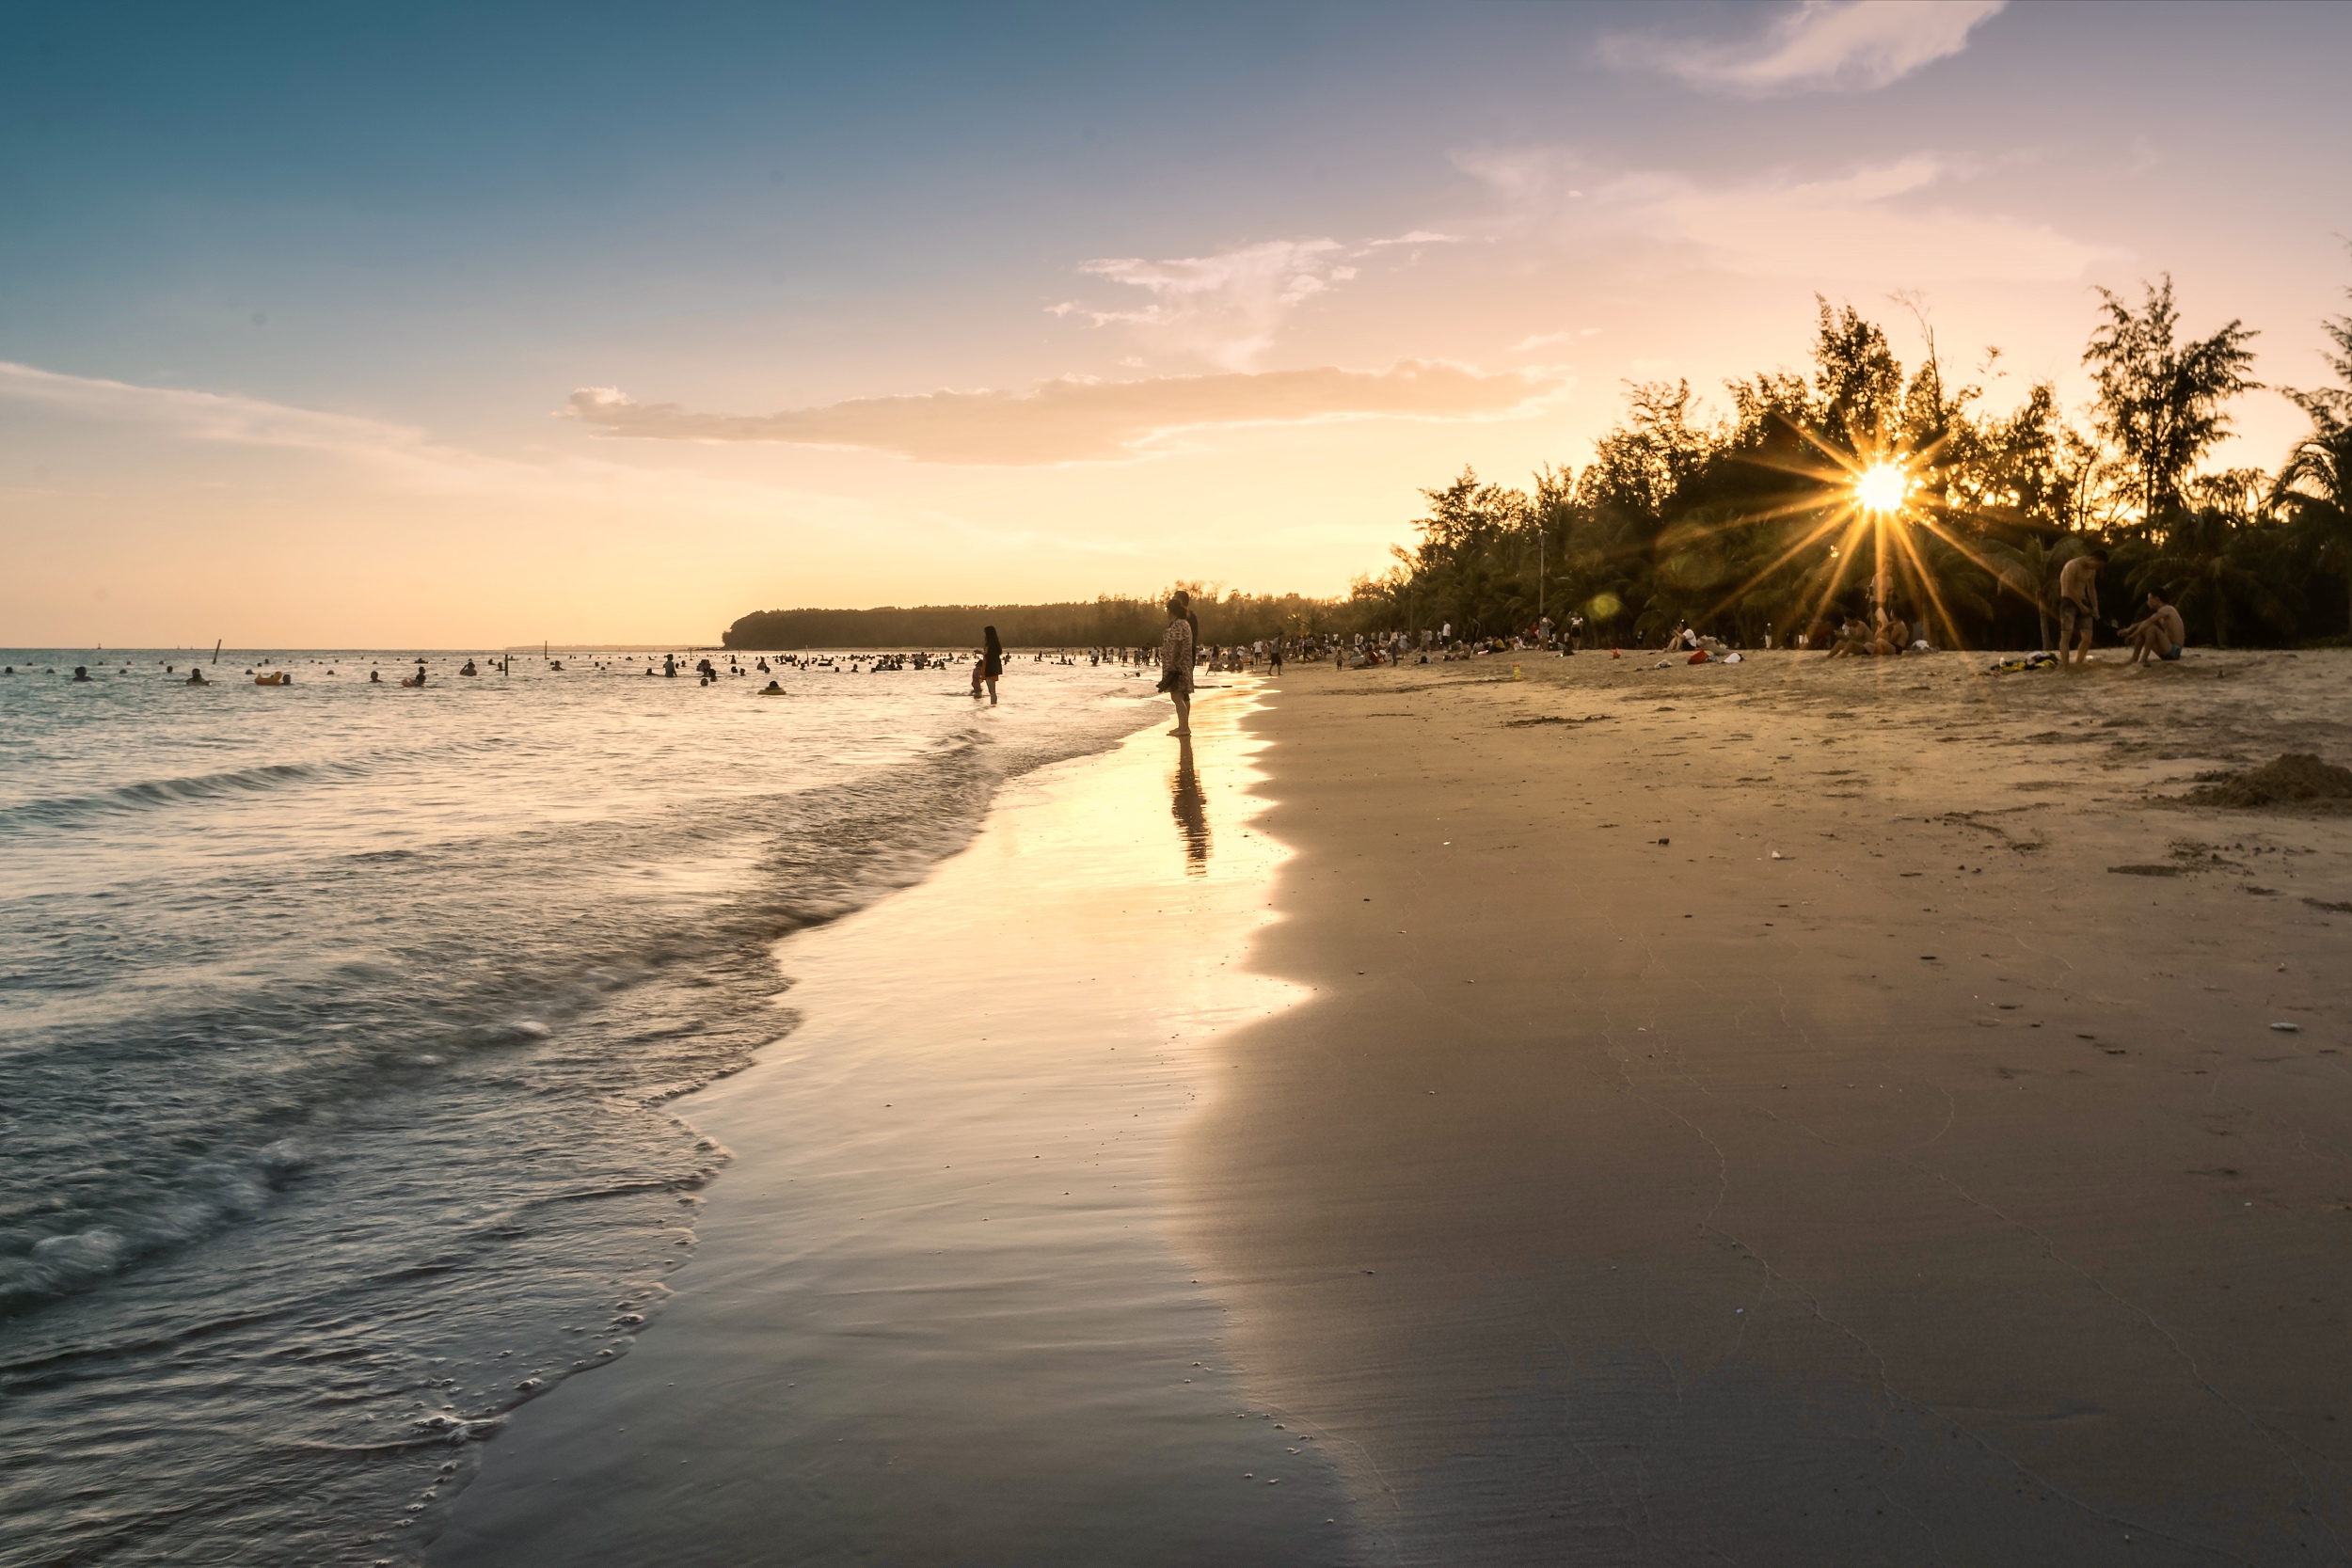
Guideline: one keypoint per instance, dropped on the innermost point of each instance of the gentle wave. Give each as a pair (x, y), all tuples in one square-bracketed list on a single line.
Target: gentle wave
[(150, 794), (339, 1118)]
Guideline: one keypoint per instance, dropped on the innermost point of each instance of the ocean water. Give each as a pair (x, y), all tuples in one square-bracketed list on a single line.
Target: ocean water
[(340, 1028)]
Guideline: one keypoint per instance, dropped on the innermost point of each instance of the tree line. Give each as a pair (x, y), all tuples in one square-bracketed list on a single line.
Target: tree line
[(1818, 497), (1109, 621), (1759, 521)]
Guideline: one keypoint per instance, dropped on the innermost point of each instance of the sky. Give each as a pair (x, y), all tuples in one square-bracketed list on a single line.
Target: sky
[(473, 325)]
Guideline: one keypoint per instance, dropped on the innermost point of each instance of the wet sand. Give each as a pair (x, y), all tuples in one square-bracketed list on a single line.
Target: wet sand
[(1801, 1112), (935, 1315)]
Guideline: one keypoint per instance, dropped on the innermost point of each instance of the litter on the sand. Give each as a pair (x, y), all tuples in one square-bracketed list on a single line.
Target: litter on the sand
[(2025, 661), (2288, 1028)]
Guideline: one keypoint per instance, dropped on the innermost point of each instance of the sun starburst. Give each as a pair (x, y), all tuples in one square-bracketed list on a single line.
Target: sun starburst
[(1880, 487)]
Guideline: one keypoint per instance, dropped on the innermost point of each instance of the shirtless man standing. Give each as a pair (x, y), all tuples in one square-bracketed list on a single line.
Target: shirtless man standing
[(2078, 606), (2159, 634)]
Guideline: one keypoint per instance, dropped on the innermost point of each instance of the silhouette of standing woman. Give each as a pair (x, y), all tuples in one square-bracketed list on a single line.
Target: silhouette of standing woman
[(1176, 660), (992, 665)]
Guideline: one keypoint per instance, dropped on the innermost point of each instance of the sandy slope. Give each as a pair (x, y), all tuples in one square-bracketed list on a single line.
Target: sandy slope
[(1751, 1121)]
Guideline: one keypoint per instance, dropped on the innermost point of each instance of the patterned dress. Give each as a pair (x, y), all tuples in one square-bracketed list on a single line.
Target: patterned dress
[(1176, 659)]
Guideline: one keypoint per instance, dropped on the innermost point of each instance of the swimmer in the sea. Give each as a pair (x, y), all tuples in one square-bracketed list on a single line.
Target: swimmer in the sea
[(196, 677), (81, 672)]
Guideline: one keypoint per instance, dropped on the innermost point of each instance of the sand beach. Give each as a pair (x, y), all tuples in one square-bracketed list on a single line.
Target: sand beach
[(1790, 1112), (1803, 1112)]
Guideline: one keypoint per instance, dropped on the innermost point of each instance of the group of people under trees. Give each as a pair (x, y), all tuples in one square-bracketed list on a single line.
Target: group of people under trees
[(2158, 636)]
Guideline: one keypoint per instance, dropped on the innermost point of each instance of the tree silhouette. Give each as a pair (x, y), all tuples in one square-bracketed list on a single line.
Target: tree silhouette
[(2162, 402), (2312, 484)]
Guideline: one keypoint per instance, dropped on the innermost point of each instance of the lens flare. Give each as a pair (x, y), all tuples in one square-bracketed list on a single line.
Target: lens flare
[(1880, 487)]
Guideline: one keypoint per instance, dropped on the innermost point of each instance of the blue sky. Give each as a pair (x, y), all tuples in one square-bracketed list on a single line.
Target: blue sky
[(290, 281)]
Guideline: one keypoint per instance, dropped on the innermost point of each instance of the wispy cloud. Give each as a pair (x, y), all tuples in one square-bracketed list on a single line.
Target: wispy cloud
[(1819, 46), (1545, 340), (236, 419), (1078, 420), (1896, 220), (1224, 307), (362, 456)]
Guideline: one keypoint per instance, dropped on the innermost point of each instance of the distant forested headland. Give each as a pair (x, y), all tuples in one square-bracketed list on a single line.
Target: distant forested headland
[(1856, 488), (1112, 621)]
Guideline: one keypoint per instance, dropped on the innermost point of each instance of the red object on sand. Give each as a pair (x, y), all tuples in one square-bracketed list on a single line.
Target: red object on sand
[(1699, 658), (1616, 653)]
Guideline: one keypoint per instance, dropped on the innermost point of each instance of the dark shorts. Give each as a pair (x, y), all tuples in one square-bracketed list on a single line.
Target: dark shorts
[(2072, 616), (2175, 653)]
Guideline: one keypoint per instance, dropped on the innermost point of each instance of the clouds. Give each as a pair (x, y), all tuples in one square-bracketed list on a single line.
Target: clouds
[(1075, 420), (1225, 306), (231, 419), (1820, 46), (1892, 220)]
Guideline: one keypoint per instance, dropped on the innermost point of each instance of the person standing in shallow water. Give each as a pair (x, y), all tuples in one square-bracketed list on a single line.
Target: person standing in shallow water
[(991, 665), (1176, 660)]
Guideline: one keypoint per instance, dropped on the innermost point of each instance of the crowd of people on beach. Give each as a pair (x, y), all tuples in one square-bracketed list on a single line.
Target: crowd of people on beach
[(1892, 630)]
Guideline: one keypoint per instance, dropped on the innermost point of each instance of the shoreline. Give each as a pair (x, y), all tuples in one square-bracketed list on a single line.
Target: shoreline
[(933, 1312), (1728, 1122)]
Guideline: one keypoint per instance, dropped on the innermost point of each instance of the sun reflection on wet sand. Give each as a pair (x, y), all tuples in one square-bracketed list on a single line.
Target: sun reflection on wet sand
[(938, 1313)]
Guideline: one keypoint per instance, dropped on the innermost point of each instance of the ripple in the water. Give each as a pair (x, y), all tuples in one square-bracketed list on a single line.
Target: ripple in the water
[(341, 1024)]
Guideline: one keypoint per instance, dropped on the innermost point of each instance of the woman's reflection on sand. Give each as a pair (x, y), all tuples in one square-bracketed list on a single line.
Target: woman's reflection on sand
[(1190, 808)]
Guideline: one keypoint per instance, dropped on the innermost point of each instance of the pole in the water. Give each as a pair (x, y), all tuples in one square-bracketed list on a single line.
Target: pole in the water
[(216, 643)]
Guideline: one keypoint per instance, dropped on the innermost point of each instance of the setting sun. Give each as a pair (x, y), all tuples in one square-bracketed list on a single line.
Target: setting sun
[(1880, 487)]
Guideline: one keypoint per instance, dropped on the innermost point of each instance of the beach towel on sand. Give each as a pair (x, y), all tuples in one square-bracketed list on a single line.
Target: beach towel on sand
[(2025, 661)]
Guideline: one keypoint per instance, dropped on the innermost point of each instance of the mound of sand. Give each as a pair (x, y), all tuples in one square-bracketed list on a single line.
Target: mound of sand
[(2296, 777)]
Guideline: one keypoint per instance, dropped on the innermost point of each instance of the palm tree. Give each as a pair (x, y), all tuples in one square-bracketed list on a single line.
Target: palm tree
[(2310, 486), (2030, 570), (2203, 565), (2310, 491)]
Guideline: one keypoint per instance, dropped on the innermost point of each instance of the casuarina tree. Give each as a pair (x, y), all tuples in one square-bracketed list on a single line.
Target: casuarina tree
[(2162, 402)]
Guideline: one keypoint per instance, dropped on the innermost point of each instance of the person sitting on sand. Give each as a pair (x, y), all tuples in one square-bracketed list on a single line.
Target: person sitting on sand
[(2160, 634), (2078, 606), (1850, 641), (1893, 636)]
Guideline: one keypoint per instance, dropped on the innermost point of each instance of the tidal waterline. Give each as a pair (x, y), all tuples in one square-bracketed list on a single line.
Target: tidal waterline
[(938, 1314), (342, 1028)]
